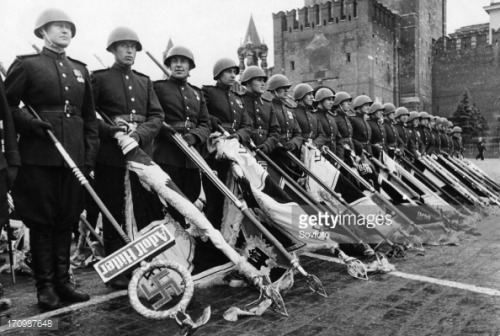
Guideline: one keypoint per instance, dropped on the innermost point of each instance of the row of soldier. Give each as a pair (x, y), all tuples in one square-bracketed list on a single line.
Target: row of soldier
[(49, 199)]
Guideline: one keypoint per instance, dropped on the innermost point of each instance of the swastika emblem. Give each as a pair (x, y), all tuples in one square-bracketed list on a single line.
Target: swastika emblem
[(159, 284)]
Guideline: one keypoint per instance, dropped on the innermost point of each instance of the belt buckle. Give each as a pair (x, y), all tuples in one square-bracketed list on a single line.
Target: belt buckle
[(67, 110)]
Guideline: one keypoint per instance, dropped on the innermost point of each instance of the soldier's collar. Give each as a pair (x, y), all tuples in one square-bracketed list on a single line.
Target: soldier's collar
[(53, 54), (222, 86), (125, 69), (178, 81)]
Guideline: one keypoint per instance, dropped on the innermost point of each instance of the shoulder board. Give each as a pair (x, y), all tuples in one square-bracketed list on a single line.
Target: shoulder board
[(238, 91), (99, 71), (267, 99), (207, 87), (140, 73), (27, 56), (194, 87), (77, 61), (160, 81)]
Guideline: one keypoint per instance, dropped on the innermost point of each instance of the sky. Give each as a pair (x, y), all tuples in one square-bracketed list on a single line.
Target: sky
[(212, 29)]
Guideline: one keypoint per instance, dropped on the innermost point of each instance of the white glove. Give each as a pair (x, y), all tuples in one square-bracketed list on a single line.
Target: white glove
[(127, 144)]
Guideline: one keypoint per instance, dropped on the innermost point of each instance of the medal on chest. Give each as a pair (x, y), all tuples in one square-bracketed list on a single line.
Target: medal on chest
[(238, 101), (78, 75), (290, 114)]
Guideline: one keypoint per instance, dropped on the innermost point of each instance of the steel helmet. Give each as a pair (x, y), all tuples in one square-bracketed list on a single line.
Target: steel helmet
[(224, 64), (375, 107), (424, 115), (413, 115), (323, 93), (400, 111), (340, 97), (389, 108), (252, 72), (360, 101), (433, 118), (123, 34), (277, 81), (456, 129), (450, 124), (439, 120), (301, 90), (180, 51), (52, 15)]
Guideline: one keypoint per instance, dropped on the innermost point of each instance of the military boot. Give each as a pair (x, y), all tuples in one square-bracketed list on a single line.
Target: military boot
[(43, 269), (64, 288)]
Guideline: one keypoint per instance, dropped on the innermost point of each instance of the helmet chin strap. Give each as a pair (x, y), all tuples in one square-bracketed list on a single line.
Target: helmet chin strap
[(50, 43)]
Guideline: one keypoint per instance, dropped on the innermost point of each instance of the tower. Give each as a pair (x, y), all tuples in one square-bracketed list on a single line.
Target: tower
[(252, 49)]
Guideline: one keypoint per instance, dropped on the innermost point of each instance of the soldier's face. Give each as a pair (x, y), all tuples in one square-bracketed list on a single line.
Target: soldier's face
[(378, 114), (404, 118), (391, 116), (346, 105), (125, 52), (179, 67), (228, 77), (257, 85), (424, 122), (308, 99), (327, 103), (365, 108), (415, 122), (58, 33), (432, 123), (281, 92)]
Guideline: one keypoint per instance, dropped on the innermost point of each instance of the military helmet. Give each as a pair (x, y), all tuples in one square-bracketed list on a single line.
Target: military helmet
[(323, 93), (456, 129), (400, 111), (450, 124), (180, 51), (52, 15), (252, 72), (413, 115), (301, 90), (340, 97), (375, 107), (439, 120), (389, 108), (224, 64), (424, 115), (277, 81), (123, 34), (360, 101)]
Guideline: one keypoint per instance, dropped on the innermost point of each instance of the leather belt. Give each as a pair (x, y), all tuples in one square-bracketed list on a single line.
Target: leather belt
[(182, 126), (65, 109), (137, 118), (259, 131), (229, 126)]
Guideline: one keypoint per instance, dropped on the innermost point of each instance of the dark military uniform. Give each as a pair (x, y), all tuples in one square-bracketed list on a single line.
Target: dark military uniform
[(123, 93), (361, 134), (377, 139), (186, 111), (458, 150), (451, 144), (10, 157), (445, 145), (227, 107), (345, 132), (391, 137), (403, 136), (310, 125), (414, 142), (436, 141), (332, 136), (47, 196), (426, 137), (265, 129)]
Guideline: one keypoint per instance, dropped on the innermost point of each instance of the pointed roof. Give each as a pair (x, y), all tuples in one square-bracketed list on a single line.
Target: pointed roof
[(252, 35), (169, 44)]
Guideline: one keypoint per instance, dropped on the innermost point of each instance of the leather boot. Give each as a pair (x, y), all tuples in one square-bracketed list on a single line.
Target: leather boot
[(43, 269), (65, 290)]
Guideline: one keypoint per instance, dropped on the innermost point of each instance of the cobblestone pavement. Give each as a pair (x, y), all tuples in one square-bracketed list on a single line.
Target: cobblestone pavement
[(385, 305)]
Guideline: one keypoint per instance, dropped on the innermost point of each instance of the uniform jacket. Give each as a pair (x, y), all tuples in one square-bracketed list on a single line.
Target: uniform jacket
[(437, 140), (310, 125), (414, 142), (59, 89), (391, 134), (458, 149), (185, 110), (426, 137), (120, 92), (445, 145), (402, 133), (345, 128), (361, 134), (378, 138), (289, 126), (333, 140), (451, 144), (11, 155), (227, 106), (266, 128)]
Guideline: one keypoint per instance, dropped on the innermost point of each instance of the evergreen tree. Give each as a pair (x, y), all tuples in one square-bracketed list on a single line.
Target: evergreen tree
[(468, 117)]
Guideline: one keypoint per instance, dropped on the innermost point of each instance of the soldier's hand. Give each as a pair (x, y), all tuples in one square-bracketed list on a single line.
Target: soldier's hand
[(263, 148), (190, 139), (112, 130), (233, 136), (214, 123), (88, 171), (38, 127), (11, 175), (289, 146)]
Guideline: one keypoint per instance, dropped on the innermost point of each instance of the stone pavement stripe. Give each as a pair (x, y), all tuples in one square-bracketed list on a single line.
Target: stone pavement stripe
[(76, 306), (448, 283)]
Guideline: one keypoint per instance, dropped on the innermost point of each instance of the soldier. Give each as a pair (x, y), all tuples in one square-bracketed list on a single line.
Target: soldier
[(435, 134), (342, 106), (448, 128), (432, 128), (265, 132), (415, 145), (391, 134), (401, 117), (312, 132), (326, 116), (442, 124), (377, 139), (47, 196), (361, 131), (127, 98), (226, 109), (458, 149), (185, 111), (425, 132)]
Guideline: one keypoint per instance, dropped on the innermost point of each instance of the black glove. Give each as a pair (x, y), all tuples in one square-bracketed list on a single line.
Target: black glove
[(112, 130), (38, 127), (190, 139), (263, 148), (88, 171), (11, 175), (233, 136), (289, 146), (214, 123)]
